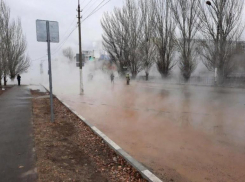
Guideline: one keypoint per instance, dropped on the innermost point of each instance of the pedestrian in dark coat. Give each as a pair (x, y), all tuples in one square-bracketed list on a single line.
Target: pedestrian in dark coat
[(18, 78), (112, 78)]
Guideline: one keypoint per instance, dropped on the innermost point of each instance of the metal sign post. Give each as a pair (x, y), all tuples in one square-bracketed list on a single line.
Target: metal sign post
[(50, 73), (48, 31)]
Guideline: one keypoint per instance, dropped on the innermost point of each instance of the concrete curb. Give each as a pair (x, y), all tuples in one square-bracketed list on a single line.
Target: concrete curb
[(138, 166)]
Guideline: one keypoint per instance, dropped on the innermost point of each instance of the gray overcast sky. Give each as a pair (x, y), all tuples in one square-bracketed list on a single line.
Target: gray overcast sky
[(63, 11)]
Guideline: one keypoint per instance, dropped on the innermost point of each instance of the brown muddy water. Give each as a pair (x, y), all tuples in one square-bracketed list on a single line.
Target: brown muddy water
[(182, 133)]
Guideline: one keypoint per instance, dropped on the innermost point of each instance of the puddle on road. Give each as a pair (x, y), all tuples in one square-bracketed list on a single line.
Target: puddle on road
[(195, 132)]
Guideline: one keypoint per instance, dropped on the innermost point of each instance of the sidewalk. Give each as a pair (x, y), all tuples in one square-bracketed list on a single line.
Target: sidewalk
[(17, 161)]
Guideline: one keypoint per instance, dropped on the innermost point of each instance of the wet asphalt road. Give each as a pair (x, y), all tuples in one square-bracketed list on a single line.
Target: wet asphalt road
[(16, 145), (183, 133)]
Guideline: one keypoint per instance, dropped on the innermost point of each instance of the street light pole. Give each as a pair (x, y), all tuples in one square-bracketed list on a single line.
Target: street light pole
[(216, 45), (80, 48)]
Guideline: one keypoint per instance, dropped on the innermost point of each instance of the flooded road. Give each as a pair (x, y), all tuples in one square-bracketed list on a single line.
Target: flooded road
[(182, 133)]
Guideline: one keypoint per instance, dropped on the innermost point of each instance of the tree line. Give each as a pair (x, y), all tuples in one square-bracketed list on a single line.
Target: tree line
[(13, 45), (174, 33)]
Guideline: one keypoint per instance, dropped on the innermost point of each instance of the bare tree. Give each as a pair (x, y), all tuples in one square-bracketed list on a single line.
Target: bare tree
[(5, 24), (185, 13), (13, 46), (122, 37), (147, 47), (133, 24), (18, 61), (68, 53), (114, 39), (165, 37), (222, 28)]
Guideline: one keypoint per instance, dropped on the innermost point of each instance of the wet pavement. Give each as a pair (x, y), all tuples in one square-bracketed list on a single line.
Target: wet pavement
[(17, 157), (183, 133)]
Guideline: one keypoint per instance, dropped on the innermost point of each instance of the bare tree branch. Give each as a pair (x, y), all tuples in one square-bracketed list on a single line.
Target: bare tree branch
[(185, 13), (122, 37), (147, 46), (68, 53), (222, 29), (165, 37), (13, 45)]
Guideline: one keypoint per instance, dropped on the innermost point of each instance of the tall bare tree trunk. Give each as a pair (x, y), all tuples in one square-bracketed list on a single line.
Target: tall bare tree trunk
[(123, 36), (147, 46), (186, 14), (5, 80), (165, 40)]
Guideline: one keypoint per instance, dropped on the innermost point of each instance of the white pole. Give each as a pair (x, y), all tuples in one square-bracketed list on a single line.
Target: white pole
[(81, 82)]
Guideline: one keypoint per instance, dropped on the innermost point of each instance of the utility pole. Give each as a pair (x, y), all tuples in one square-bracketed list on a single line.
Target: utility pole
[(80, 48)]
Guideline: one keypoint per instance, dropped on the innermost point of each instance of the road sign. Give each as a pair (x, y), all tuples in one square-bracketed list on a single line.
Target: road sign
[(48, 31), (77, 60), (42, 31)]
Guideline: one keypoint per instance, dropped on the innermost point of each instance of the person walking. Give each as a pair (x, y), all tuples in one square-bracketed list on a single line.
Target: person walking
[(128, 79), (5, 80), (18, 78), (112, 78)]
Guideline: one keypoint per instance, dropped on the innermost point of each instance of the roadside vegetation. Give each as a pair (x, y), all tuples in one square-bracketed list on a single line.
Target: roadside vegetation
[(175, 33), (13, 46)]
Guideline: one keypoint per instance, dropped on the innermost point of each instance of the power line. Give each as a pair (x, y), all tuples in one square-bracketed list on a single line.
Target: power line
[(82, 2), (39, 58), (57, 49), (64, 41), (70, 26), (95, 10), (87, 4), (97, 7), (44, 56), (89, 7)]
